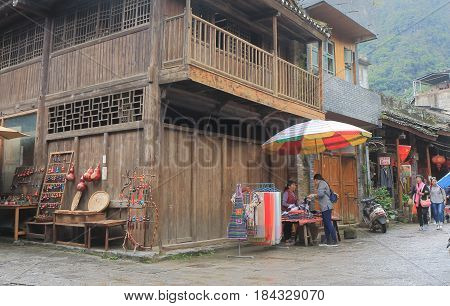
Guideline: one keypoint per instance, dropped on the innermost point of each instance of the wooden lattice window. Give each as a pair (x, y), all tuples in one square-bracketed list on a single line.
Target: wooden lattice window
[(107, 110), (21, 44), (98, 19)]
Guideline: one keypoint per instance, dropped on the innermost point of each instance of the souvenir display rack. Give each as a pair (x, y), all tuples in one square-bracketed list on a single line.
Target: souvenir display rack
[(249, 221), (25, 188), (143, 215), (54, 185)]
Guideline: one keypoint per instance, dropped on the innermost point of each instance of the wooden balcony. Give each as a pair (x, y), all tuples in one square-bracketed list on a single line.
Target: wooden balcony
[(194, 49)]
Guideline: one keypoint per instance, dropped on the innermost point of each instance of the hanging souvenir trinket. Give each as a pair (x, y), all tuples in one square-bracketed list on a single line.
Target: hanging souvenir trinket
[(97, 174)]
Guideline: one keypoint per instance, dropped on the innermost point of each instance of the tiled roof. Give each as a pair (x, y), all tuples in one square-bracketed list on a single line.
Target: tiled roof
[(404, 120), (292, 6)]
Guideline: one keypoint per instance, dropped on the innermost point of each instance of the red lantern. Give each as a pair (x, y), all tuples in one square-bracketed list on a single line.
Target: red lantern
[(438, 160), (403, 152)]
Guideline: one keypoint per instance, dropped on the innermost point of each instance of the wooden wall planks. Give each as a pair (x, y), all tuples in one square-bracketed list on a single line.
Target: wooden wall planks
[(20, 84), (123, 153), (210, 166), (121, 57)]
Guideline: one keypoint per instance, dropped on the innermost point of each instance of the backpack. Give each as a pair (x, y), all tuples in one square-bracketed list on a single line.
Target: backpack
[(333, 196)]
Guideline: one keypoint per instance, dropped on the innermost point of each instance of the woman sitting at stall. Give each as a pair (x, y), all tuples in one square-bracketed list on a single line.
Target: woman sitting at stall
[(289, 199)]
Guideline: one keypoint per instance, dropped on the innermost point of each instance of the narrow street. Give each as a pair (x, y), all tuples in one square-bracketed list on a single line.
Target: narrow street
[(403, 256)]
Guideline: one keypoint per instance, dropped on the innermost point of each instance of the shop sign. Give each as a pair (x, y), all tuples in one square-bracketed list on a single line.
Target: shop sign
[(405, 171), (384, 161)]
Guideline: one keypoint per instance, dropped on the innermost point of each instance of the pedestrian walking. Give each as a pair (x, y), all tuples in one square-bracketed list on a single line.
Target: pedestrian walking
[(326, 207), (420, 195), (437, 197), (431, 217)]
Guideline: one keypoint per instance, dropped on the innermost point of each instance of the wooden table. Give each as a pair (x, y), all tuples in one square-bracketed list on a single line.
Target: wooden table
[(17, 209), (73, 220), (305, 223), (106, 224)]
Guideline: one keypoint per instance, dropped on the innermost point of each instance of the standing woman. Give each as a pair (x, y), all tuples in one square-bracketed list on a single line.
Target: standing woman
[(420, 192), (326, 207), (289, 198), (438, 197)]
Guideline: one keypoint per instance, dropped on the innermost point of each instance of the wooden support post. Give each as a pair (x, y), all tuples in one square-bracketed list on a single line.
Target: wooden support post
[(152, 110), (275, 54), (224, 196), (16, 223), (399, 181), (40, 149), (188, 32), (194, 173), (427, 151), (320, 63)]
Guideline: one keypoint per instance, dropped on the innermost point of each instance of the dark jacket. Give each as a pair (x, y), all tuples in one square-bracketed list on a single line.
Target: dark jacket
[(426, 192)]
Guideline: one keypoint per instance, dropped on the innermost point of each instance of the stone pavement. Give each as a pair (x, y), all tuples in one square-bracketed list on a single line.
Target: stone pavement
[(403, 256)]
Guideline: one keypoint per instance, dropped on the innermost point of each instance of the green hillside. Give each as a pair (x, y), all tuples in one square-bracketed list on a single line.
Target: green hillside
[(413, 39)]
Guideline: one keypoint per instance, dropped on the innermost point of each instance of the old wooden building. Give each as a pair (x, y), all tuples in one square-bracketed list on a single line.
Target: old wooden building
[(190, 88)]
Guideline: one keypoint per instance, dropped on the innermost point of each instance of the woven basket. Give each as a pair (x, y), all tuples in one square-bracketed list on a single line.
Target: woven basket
[(98, 201)]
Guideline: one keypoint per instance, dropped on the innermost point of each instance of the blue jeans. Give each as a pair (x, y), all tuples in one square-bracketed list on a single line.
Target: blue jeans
[(438, 212), (330, 232)]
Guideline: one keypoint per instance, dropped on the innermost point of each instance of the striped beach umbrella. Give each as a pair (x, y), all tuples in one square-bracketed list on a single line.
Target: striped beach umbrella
[(316, 136)]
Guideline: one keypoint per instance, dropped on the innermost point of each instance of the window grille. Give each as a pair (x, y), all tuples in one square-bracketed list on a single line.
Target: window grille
[(98, 19), (21, 44), (101, 111)]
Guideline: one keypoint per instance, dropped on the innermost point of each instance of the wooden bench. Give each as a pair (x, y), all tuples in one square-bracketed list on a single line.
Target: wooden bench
[(40, 230), (107, 225)]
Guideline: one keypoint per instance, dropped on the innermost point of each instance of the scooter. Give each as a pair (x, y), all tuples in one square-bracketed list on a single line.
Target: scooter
[(374, 215)]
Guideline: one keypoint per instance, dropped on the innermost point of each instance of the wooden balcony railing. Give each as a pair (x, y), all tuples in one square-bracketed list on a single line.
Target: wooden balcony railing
[(224, 53), (298, 84)]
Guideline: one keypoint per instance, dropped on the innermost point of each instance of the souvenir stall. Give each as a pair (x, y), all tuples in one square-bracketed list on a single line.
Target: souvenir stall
[(313, 138), (255, 216), (54, 223), (20, 203), (306, 222)]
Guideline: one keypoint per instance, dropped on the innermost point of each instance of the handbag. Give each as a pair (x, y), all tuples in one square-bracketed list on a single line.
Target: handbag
[(425, 203)]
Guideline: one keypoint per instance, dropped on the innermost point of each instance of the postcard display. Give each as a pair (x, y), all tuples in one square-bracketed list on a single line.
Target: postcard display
[(54, 186)]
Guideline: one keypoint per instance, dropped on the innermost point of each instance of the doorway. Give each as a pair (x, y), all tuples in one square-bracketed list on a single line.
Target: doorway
[(340, 172)]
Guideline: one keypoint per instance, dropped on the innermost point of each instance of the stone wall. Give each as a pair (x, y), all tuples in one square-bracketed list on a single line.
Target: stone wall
[(344, 98)]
